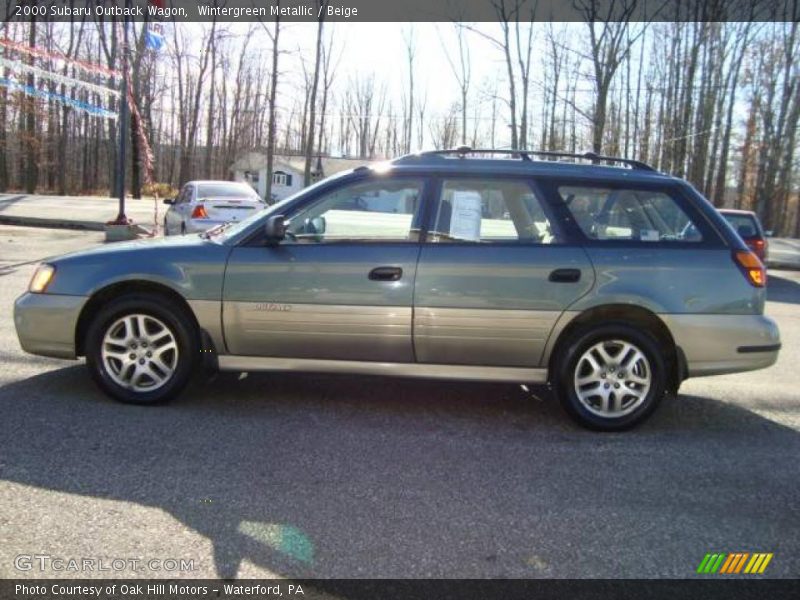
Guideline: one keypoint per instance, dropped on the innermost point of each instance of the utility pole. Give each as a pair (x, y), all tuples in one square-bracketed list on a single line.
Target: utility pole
[(122, 219)]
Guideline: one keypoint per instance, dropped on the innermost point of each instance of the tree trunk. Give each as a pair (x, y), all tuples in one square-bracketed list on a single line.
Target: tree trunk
[(31, 142), (272, 95), (312, 109)]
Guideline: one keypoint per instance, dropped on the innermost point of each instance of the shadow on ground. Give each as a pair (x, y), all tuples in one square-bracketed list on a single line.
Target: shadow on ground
[(781, 288), (7, 200), (323, 476)]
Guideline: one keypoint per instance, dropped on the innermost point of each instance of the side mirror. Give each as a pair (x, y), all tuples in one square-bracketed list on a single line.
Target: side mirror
[(275, 229), (315, 226), (169, 200)]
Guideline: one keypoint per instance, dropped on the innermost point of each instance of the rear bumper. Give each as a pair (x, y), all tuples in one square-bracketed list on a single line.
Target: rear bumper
[(200, 225), (719, 344), (46, 323)]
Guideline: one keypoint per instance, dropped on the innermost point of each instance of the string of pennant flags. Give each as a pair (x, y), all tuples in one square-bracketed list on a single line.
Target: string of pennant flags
[(83, 65), (20, 67), (154, 40), (30, 90)]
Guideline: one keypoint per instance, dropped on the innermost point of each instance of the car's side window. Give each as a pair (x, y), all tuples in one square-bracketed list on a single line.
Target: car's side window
[(628, 214), (490, 210), (185, 195), (372, 211)]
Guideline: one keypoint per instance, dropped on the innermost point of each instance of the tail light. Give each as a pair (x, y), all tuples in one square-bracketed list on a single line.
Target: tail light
[(199, 212), (752, 267)]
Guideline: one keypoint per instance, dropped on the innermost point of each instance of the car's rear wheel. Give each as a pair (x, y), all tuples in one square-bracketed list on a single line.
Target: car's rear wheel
[(141, 349), (611, 377)]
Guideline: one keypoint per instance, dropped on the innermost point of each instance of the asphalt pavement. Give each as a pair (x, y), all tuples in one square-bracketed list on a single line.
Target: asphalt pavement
[(321, 476), (784, 252)]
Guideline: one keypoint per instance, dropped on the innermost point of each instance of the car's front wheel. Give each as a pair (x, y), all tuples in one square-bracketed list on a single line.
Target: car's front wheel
[(141, 349), (611, 377)]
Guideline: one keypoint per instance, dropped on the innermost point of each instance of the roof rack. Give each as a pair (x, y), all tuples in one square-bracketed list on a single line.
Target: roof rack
[(525, 155)]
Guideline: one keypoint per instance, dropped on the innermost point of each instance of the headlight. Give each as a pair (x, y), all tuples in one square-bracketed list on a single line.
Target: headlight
[(41, 278)]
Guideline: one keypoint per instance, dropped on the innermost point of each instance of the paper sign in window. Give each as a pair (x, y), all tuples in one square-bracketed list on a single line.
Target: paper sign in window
[(649, 235), (465, 220)]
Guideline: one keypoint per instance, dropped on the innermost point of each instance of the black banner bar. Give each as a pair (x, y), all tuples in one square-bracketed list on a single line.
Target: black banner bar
[(389, 589), (400, 10)]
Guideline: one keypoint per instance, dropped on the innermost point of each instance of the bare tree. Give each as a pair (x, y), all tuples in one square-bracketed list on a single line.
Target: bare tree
[(274, 35), (411, 51), (190, 89), (462, 72), (30, 140), (330, 64), (322, 5), (524, 44), (609, 45), (444, 131)]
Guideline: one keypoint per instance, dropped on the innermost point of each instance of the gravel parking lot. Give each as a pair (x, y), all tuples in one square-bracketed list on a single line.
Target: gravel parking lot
[(323, 476)]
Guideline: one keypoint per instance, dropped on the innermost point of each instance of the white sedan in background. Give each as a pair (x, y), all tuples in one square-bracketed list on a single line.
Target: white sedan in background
[(202, 205)]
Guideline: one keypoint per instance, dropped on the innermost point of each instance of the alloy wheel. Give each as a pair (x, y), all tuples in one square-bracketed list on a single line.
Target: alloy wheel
[(612, 378), (139, 352)]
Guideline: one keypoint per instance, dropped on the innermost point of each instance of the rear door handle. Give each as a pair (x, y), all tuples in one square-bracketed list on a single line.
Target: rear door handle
[(565, 275), (386, 273)]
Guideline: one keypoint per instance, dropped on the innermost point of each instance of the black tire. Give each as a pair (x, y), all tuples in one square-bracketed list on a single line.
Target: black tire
[(574, 349), (173, 316)]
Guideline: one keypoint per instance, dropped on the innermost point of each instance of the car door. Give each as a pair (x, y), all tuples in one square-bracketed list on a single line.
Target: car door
[(340, 285), (494, 275)]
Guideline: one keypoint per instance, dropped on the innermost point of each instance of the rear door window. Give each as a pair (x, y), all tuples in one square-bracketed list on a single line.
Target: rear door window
[(609, 214), (490, 210)]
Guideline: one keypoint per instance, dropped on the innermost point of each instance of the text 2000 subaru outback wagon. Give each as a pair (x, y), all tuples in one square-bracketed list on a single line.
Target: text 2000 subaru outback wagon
[(613, 284)]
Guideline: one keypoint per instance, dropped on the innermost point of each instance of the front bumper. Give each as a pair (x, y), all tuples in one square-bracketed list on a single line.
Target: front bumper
[(719, 344), (46, 323)]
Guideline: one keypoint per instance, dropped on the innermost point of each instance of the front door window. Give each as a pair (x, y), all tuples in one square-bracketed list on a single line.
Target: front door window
[(372, 211)]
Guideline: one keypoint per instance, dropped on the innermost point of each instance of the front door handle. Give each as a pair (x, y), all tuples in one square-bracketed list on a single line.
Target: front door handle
[(565, 275), (386, 273)]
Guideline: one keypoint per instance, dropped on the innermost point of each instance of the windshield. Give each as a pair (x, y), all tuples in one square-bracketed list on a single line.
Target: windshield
[(225, 190), (233, 229)]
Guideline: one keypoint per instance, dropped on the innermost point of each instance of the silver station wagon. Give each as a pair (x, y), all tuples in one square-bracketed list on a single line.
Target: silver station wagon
[(599, 276)]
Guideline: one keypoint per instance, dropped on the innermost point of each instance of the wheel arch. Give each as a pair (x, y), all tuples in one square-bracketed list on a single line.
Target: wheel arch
[(629, 314), (120, 288)]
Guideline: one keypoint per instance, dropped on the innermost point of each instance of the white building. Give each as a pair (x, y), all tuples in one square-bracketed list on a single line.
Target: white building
[(287, 172)]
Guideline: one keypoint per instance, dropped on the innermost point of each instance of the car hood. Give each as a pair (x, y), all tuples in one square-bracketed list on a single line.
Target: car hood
[(191, 265), (144, 245)]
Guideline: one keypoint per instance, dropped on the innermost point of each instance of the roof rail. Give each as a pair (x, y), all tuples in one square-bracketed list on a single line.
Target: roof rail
[(525, 155)]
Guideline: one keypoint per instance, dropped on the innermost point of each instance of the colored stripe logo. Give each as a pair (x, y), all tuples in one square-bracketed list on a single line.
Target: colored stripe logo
[(734, 563)]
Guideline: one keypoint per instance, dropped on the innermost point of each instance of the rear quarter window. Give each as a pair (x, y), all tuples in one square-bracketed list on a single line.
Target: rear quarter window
[(608, 214)]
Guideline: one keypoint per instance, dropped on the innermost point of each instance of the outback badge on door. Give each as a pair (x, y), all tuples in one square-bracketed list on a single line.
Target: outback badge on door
[(273, 307)]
